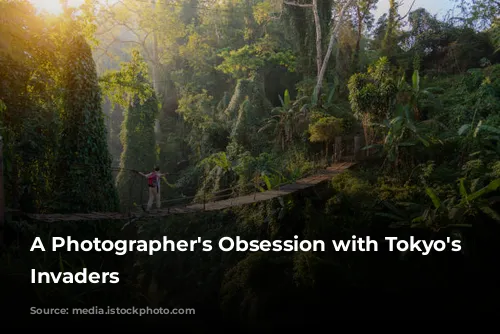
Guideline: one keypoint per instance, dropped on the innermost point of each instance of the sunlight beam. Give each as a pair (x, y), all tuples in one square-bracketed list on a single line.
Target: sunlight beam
[(54, 6)]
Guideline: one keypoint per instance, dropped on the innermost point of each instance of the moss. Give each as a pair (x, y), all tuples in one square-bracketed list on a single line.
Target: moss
[(83, 158), (248, 108), (139, 145)]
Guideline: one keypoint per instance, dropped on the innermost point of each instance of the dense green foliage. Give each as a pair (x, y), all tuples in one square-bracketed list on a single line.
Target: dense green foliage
[(52, 124), (221, 94), (83, 138), (130, 89)]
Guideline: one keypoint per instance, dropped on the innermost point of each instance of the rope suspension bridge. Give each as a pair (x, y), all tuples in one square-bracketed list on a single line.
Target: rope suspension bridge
[(222, 199), (214, 201)]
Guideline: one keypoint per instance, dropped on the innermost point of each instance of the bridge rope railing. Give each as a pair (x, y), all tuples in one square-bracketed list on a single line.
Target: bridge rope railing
[(233, 192), (237, 190), (222, 194), (204, 197)]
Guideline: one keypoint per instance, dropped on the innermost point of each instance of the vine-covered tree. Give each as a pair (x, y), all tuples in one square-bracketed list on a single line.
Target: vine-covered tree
[(325, 130), (28, 121), (130, 87), (372, 96), (84, 178)]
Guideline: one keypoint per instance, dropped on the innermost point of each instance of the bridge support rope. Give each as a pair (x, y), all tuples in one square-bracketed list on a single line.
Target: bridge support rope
[(253, 197)]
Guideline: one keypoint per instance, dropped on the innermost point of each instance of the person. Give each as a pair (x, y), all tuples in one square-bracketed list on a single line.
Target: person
[(154, 187)]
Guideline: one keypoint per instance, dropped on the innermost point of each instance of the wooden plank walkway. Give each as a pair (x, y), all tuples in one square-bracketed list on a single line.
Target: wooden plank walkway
[(307, 182)]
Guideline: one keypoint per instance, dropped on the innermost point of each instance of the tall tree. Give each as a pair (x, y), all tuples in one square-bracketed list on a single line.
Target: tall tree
[(480, 13), (363, 19), (84, 178), (131, 88), (333, 35), (138, 139), (322, 60), (390, 32), (28, 83)]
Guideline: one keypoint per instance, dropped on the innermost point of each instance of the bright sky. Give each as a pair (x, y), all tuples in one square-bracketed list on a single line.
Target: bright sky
[(440, 7), (54, 6)]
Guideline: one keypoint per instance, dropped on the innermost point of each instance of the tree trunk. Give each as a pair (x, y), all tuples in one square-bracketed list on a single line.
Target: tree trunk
[(317, 23), (334, 31), (358, 38), (388, 41), (156, 79), (338, 68)]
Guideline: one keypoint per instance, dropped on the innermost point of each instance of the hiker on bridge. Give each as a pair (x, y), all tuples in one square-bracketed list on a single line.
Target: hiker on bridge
[(154, 187)]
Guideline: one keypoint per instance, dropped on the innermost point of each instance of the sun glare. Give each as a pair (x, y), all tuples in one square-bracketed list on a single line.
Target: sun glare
[(54, 6)]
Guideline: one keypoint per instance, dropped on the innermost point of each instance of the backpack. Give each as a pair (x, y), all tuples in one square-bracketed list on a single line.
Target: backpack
[(153, 180)]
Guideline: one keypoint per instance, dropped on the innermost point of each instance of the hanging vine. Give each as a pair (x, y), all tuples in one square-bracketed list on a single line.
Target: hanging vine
[(83, 137)]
